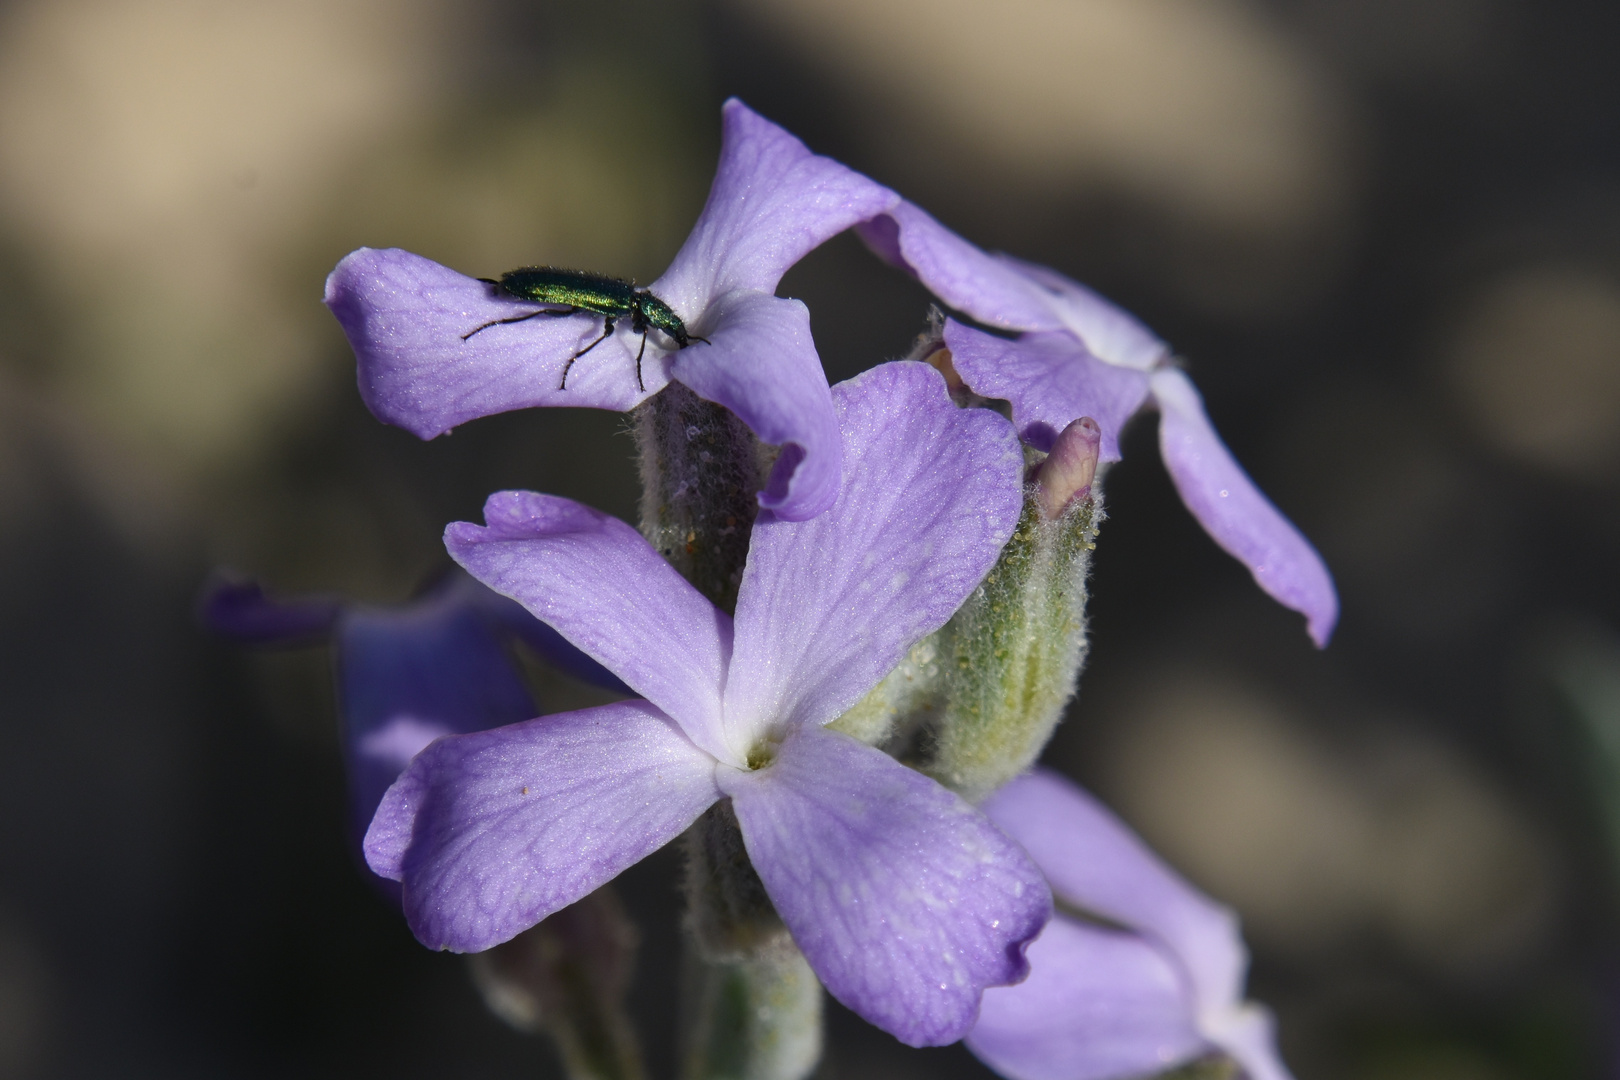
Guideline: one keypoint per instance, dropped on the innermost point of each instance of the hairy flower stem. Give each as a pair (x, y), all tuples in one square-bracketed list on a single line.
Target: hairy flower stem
[(753, 1006), (700, 471), (757, 1018)]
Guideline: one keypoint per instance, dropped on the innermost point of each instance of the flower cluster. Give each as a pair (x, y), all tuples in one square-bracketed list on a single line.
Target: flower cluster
[(899, 624)]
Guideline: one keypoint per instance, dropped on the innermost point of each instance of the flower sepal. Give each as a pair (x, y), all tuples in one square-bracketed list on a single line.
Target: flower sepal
[(1009, 660)]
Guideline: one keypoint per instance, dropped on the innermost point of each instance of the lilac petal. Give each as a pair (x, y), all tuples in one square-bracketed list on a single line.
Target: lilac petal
[(491, 832), (601, 585), (1248, 1035), (514, 619), (407, 675), (1098, 1004), (1051, 381), (827, 607), (763, 366), (241, 611), (964, 277), (1108, 331), (1234, 512), (406, 316), (906, 901), (772, 203), (1095, 863)]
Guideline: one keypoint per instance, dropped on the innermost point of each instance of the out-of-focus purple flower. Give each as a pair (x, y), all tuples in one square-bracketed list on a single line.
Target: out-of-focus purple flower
[(906, 901), (1161, 986), (772, 202), (1078, 355), (406, 674)]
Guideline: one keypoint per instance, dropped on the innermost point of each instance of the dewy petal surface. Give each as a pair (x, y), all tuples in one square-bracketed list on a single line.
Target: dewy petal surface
[(906, 900), (1051, 381), (405, 316), (1094, 862), (491, 832), (595, 580), (762, 365), (771, 203), (966, 278), (1098, 1005), (827, 607), (1233, 511)]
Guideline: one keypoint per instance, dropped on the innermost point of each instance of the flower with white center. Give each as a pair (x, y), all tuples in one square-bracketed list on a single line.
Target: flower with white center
[(906, 901)]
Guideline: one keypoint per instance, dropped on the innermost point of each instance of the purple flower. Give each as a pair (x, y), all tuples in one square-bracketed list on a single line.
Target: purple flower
[(772, 203), (906, 901), (1159, 988), (406, 674), (1078, 355)]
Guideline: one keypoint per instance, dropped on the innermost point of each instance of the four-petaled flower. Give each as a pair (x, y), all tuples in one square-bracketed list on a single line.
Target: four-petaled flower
[(772, 202), (1160, 987), (1078, 355), (906, 901)]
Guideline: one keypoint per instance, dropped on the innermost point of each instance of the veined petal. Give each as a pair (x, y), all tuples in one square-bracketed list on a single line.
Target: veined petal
[(514, 619), (1098, 1005), (1051, 381), (1094, 862), (491, 832), (772, 203), (410, 674), (827, 607), (1111, 333), (1234, 512), (906, 901), (762, 365), (966, 278), (407, 318), (595, 580)]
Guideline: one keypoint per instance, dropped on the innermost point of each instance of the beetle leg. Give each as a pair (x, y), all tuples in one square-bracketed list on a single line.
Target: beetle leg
[(639, 384), (607, 329), (555, 312)]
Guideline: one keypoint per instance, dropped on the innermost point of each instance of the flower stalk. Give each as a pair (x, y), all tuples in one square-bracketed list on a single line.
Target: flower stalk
[(701, 470), (754, 1008), (754, 1017)]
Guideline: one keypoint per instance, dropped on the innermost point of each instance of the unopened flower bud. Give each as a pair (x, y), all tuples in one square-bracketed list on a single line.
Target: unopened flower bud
[(568, 977), (1068, 470), (1009, 659)]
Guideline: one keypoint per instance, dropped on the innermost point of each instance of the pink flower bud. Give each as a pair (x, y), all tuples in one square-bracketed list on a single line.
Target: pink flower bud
[(1067, 472)]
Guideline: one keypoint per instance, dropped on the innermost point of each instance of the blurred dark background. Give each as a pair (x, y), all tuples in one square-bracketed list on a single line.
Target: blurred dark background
[(1385, 235)]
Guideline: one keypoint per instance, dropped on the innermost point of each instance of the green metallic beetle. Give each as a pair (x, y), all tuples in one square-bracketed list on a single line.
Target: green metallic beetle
[(576, 291)]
